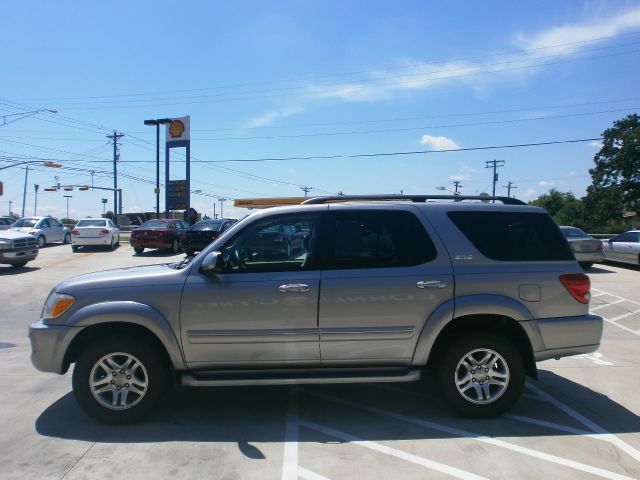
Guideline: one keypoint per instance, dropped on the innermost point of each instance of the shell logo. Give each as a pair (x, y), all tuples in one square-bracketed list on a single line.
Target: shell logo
[(176, 128)]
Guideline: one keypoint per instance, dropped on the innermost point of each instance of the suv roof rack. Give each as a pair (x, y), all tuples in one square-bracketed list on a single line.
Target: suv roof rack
[(412, 198)]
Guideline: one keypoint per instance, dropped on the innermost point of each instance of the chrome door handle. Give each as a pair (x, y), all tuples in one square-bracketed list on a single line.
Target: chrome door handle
[(431, 284), (294, 287)]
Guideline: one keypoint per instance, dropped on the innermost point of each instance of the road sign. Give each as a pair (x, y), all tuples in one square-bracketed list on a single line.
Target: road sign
[(177, 195), (104, 200)]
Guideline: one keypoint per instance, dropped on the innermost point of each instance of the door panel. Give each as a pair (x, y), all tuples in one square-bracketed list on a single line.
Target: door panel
[(236, 319)]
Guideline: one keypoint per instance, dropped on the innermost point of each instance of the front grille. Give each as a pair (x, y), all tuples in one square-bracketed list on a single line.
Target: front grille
[(24, 243)]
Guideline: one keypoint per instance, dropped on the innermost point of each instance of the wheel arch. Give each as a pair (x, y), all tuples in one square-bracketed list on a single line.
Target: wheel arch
[(126, 318), (471, 313)]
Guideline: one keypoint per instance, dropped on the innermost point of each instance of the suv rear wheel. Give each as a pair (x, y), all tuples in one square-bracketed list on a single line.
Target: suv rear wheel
[(481, 376), (118, 380)]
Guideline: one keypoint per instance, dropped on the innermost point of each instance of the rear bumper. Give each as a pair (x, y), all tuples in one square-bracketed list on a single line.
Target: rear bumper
[(591, 257), (141, 242), (566, 336), (101, 240)]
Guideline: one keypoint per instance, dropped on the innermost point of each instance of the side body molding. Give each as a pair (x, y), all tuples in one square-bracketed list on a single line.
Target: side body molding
[(135, 313), (473, 305)]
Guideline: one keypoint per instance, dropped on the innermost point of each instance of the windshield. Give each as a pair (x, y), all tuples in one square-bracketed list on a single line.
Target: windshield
[(572, 232), (155, 224), (92, 223), (209, 226), (25, 222)]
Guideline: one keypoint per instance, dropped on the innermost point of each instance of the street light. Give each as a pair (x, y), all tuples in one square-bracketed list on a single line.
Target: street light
[(157, 122), (68, 197), (35, 203), (26, 174), (22, 115)]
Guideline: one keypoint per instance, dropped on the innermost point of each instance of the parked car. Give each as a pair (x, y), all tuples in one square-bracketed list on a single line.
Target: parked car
[(624, 248), (94, 232), (204, 232), (44, 229), (586, 249), (159, 233), (5, 222), (475, 293), (16, 248)]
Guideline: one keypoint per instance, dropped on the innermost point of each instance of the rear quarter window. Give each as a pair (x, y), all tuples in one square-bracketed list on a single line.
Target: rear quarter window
[(513, 236)]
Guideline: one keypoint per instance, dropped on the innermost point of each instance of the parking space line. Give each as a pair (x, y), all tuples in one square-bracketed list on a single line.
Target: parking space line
[(483, 438), (602, 292), (630, 330), (590, 424), (409, 457), (309, 475), (551, 425), (598, 307), (625, 315), (290, 460)]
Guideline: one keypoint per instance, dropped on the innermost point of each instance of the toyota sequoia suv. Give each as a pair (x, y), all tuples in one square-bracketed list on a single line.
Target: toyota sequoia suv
[(382, 289)]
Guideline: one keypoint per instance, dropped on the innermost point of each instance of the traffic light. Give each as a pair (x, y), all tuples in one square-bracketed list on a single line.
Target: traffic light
[(51, 189), (68, 189), (83, 187)]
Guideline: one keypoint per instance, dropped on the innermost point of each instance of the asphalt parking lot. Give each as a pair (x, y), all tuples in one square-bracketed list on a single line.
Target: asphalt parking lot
[(579, 420)]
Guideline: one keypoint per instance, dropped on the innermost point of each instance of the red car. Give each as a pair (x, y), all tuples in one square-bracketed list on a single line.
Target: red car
[(164, 233)]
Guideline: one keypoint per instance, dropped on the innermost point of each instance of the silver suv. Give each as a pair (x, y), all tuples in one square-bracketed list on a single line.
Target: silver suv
[(374, 291)]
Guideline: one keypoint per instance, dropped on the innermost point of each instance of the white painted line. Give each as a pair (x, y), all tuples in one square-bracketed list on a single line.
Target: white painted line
[(290, 460), (597, 294), (309, 475), (590, 424), (630, 330), (481, 438), (617, 296), (608, 304), (620, 317), (425, 462), (552, 425)]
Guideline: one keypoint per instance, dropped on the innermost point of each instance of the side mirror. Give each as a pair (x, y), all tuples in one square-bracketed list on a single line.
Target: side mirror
[(212, 263)]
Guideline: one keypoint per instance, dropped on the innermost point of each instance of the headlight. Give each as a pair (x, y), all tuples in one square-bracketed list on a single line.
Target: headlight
[(56, 305), (4, 245)]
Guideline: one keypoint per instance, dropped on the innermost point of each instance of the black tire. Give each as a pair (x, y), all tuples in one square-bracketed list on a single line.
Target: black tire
[(74, 248), (67, 238), (113, 243), (138, 250), (175, 246), (448, 374), (19, 265), (42, 241), (586, 265), (119, 349)]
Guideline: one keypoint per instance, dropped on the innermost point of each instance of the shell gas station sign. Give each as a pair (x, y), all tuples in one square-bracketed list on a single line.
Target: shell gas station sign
[(179, 129)]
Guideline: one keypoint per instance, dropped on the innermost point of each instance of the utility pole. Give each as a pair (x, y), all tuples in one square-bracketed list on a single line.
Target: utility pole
[(494, 164), (306, 190), (456, 186), (68, 197), (221, 200), (35, 203), (509, 186), (10, 203), (24, 192), (117, 209)]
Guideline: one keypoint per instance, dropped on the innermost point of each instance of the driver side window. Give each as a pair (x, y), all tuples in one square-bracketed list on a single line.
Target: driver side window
[(278, 244)]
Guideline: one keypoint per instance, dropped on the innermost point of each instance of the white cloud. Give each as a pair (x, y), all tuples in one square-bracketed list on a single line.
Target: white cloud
[(439, 143), (412, 74), (529, 194), (460, 178), (269, 117), (545, 183), (595, 144)]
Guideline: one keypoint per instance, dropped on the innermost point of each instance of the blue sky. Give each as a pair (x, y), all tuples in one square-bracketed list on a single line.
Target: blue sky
[(298, 79)]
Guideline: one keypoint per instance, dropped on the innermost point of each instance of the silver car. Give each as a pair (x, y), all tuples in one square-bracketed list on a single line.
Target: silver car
[(474, 293), (624, 248), (5, 222), (586, 249), (44, 229)]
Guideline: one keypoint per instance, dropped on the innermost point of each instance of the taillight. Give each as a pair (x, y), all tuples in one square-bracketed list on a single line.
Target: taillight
[(578, 285), (104, 232), (75, 232)]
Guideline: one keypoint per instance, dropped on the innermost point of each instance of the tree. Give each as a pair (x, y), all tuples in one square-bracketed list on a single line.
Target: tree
[(618, 164), (603, 208), (564, 207)]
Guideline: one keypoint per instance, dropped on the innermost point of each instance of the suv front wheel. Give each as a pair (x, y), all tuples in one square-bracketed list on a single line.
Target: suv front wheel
[(481, 376), (118, 380)]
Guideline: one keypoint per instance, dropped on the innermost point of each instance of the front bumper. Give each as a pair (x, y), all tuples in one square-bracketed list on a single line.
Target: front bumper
[(566, 336), (49, 343), (17, 256)]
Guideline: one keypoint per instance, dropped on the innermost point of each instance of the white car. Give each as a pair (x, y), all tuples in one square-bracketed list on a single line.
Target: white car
[(95, 232), (45, 229)]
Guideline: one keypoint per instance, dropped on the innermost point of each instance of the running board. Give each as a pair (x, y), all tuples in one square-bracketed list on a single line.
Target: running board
[(299, 376)]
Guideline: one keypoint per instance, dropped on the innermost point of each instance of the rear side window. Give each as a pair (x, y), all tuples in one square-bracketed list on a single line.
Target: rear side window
[(376, 239), (513, 237)]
